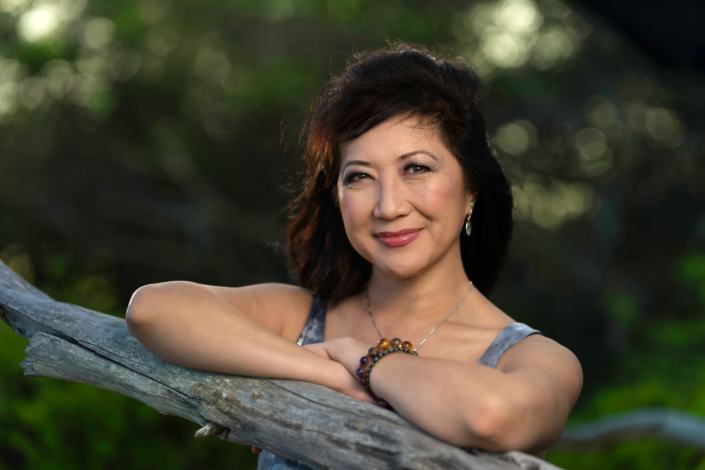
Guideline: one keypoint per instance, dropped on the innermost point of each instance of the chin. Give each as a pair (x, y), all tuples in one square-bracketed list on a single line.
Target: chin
[(399, 271), (397, 265)]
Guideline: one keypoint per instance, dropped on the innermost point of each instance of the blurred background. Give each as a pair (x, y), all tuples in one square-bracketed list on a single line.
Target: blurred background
[(156, 140)]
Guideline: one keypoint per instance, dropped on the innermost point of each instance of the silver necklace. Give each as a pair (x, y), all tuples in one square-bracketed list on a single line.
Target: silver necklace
[(435, 328)]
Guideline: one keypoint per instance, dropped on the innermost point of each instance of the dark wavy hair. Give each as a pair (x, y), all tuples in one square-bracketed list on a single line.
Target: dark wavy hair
[(397, 80)]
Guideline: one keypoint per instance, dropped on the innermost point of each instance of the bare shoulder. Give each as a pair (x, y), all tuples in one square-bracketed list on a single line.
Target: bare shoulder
[(484, 313), (276, 306), (546, 360), (539, 351)]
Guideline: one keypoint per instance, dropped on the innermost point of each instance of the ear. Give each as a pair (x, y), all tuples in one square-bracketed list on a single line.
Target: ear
[(469, 202)]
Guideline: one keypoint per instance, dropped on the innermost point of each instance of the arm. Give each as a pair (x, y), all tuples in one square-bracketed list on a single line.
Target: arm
[(190, 325), (521, 406)]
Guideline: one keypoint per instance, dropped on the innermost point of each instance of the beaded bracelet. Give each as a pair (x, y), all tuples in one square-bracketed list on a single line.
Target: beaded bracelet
[(373, 356)]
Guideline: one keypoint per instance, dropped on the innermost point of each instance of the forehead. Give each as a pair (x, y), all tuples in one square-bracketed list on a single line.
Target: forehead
[(393, 137)]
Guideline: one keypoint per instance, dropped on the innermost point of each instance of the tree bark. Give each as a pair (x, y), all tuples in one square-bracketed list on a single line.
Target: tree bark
[(299, 420)]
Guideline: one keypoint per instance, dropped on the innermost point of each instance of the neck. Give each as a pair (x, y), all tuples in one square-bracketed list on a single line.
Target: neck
[(417, 300)]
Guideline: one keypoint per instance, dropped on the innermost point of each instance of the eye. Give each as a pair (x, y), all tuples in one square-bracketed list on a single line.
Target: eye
[(416, 168), (353, 177)]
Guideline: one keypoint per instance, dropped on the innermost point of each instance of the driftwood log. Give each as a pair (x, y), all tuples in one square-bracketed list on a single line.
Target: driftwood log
[(299, 420)]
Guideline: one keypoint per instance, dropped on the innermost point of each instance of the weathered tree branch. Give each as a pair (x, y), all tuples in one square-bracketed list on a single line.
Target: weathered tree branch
[(663, 424), (299, 420)]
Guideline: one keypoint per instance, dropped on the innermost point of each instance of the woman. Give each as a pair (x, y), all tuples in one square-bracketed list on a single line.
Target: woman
[(399, 231)]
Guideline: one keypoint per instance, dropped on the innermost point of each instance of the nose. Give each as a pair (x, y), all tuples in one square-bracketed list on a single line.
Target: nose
[(391, 199)]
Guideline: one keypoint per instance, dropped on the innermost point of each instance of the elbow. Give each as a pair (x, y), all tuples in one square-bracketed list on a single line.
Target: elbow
[(147, 302), (138, 307), (488, 425), (497, 426)]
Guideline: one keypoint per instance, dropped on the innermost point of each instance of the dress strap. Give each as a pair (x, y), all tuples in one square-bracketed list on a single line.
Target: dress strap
[(314, 327), (508, 337)]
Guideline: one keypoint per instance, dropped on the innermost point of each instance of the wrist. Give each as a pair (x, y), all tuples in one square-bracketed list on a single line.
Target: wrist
[(376, 354), (382, 369), (383, 348), (324, 371)]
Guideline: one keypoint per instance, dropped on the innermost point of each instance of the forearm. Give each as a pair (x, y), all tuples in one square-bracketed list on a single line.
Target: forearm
[(184, 334), (451, 400)]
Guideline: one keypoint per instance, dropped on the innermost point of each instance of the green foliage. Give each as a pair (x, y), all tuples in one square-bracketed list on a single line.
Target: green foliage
[(638, 454), (667, 370), (692, 271)]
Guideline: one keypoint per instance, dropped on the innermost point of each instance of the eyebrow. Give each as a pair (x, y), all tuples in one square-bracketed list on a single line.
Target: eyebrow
[(401, 157)]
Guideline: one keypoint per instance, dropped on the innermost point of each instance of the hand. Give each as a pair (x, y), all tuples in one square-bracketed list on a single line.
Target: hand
[(343, 378), (346, 351)]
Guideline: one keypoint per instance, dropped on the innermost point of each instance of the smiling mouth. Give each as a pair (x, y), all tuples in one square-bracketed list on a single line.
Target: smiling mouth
[(396, 239)]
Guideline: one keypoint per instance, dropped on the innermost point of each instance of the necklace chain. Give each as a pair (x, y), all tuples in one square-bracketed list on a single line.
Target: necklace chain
[(435, 328)]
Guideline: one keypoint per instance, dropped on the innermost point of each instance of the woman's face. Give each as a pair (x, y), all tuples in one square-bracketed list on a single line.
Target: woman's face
[(400, 177)]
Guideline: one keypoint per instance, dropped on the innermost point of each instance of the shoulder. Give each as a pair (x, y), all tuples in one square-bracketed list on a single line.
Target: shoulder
[(482, 312), (539, 350), (548, 362)]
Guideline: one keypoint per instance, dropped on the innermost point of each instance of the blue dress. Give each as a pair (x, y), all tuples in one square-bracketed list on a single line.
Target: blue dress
[(313, 333)]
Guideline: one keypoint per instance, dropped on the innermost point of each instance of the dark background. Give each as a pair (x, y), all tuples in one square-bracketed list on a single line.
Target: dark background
[(149, 141)]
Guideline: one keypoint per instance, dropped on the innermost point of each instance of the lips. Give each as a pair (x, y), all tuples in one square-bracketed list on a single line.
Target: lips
[(400, 238)]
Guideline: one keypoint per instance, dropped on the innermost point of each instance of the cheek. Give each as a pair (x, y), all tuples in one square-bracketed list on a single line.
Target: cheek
[(353, 209), (441, 199)]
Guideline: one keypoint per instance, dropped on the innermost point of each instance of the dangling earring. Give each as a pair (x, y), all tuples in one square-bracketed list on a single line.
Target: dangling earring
[(468, 226)]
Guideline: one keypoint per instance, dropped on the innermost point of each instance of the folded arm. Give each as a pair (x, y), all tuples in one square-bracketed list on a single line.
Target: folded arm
[(232, 331), (522, 405)]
